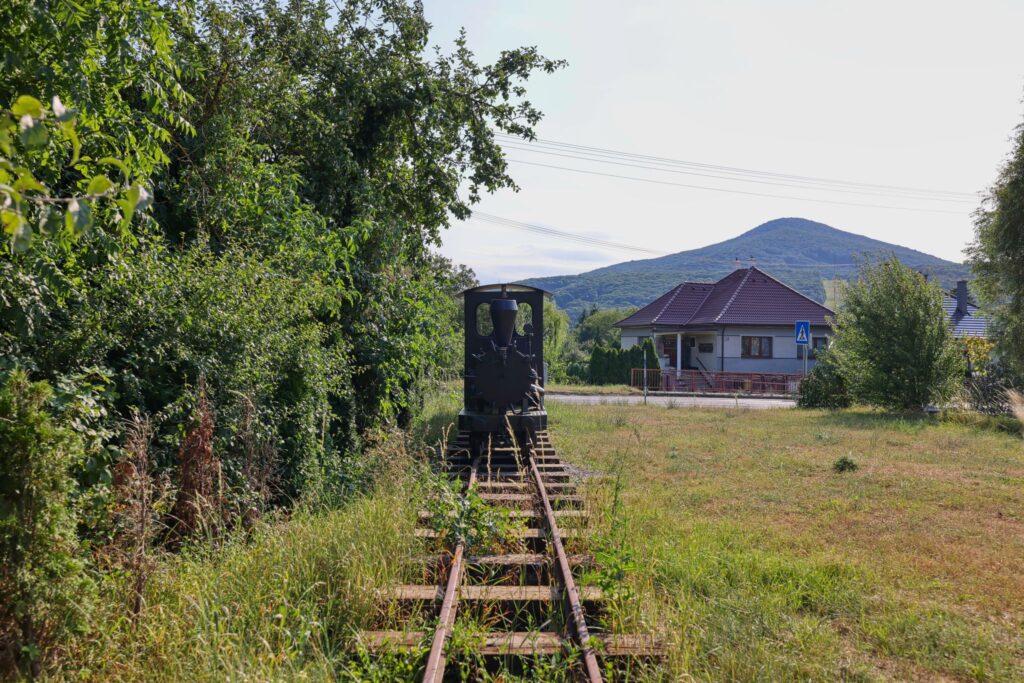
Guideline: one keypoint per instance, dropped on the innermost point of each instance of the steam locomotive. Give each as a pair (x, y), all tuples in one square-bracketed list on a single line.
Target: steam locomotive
[(504, 376)]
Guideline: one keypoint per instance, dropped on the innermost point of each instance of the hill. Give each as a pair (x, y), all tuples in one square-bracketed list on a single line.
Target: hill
[(798, 251)]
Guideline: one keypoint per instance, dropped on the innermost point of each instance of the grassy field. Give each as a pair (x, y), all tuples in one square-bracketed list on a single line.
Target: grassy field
[(758, 560), (728, 532)]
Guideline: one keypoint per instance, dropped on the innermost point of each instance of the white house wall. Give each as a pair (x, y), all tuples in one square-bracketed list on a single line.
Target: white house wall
[(786, 356), (632, 336)]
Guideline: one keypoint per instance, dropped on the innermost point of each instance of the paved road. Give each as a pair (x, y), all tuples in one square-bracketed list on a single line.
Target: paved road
[(676, 401)]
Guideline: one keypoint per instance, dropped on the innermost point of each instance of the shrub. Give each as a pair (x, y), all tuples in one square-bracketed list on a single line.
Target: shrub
[(844, 464), (40, 577), (824, 387), (892, 344)]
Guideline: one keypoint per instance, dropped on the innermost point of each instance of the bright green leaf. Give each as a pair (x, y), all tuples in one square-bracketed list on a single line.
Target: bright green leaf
[(26, 181), (111, 161), (11, 220), (76, 146), (99, 184), (27, 105)]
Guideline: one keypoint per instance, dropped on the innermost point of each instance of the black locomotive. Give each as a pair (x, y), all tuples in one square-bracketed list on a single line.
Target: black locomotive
[(503, 391)]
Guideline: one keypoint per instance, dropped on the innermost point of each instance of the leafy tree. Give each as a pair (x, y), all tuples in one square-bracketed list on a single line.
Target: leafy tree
[(997, 256), (598, 327), (892, 342), (557, 341), (343, 96)]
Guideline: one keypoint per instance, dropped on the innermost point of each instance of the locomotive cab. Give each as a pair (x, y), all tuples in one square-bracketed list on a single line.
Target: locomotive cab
[(503, 378)]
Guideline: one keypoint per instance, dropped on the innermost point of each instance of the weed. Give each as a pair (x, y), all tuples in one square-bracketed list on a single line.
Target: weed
[(459, 514), (845, 464)]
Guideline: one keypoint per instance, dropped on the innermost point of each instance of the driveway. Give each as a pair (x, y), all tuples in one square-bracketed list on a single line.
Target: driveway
[(675, 401)]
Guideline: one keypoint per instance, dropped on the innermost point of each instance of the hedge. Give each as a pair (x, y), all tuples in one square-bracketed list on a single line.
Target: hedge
[(612, 366)]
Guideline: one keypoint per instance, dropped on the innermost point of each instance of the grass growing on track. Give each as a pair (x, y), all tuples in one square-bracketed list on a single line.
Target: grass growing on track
[(759, 561)]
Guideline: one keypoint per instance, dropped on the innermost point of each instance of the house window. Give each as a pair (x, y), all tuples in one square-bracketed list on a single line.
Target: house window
[(706, 347), (757, 347), (818, 344)]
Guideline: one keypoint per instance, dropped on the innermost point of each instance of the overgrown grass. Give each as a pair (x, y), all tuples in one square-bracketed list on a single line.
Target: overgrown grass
[(757, 561), (282, 604)]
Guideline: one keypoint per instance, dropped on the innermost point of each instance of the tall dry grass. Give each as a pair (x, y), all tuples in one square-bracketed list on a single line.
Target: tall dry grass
[(281, 601)]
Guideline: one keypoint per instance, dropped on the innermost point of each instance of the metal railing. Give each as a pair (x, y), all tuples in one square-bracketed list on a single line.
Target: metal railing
[(699, 381)]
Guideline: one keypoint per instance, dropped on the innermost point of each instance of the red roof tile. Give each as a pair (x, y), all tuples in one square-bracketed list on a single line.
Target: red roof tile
[(747, 296)]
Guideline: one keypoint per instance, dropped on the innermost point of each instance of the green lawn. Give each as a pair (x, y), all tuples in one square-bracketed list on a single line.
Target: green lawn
[(758, 561), (609, 389)]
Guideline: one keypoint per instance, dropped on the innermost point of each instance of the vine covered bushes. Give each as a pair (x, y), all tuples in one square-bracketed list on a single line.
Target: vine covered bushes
[(221, 213)]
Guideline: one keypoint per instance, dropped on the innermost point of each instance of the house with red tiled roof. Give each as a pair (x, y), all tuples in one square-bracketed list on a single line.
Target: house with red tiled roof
[(742, 323)]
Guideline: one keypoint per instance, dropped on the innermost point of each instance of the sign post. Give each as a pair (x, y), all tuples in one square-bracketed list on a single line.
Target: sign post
[(802, 335), (645, 373)]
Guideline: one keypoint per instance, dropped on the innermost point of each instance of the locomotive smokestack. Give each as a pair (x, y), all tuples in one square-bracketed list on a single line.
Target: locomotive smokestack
[(503, 317)]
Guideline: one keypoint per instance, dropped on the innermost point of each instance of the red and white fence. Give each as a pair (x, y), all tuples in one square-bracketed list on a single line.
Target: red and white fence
[(698, 381)]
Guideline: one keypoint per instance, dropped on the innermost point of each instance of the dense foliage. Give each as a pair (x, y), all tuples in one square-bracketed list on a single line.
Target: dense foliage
[(824, 386), (997, 256), (613, 366), (892, 342), (596, 327), (220, 218), (39, 571)]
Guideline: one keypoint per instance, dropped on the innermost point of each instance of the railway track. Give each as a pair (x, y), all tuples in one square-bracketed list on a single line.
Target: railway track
[(527, 597)]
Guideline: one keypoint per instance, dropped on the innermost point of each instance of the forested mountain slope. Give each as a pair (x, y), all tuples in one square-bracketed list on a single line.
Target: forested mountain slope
[(798, 251)]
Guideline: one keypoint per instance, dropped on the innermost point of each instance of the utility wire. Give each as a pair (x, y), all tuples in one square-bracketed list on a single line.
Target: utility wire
[(866, 192), (730, 191), (561, 234), (566, 146)]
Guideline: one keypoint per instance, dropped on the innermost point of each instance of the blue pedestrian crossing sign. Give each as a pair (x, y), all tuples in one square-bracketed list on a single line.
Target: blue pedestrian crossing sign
[(802, 331)]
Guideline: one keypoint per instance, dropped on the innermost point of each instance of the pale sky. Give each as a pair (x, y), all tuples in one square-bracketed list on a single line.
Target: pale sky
[(909, 94)]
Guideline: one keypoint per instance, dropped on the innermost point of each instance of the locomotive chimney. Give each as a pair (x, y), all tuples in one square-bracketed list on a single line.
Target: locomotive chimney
[(503, 318)]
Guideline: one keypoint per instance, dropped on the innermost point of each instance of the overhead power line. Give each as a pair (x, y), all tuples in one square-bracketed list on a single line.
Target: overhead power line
[(757, 180), (561, 234), (589, 150), (732, 191)]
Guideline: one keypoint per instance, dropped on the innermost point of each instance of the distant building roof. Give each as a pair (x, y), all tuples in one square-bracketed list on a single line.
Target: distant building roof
[(746, 296), (969, 324)]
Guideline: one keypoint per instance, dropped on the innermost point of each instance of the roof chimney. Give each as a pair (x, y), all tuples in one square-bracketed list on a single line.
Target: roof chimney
[(961, 297), (753, 261), (736, 263)]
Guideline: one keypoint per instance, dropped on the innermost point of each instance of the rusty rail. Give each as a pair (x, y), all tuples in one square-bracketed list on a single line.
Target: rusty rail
[(568, 583), (446, 619)]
